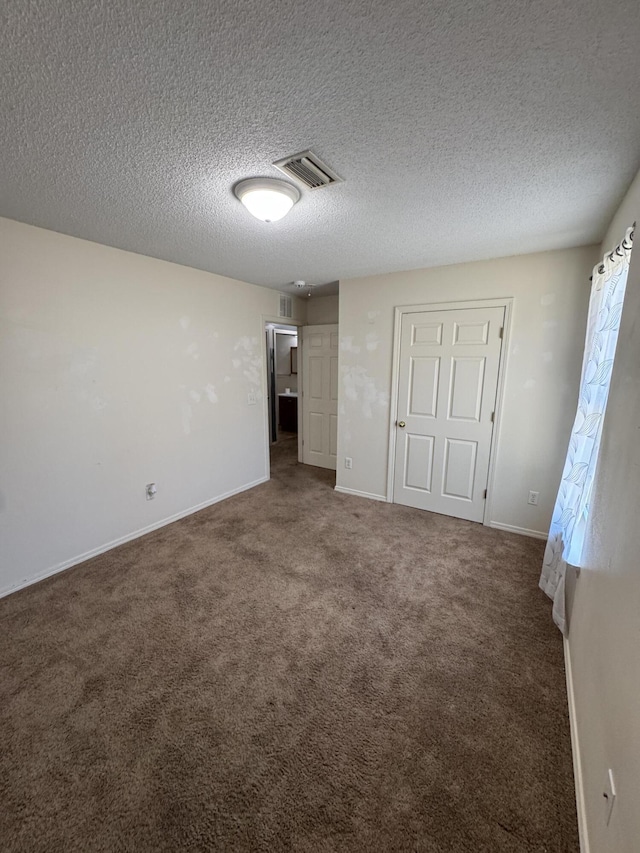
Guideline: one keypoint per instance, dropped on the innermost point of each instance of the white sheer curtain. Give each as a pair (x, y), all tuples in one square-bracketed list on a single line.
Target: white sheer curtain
[(568, 525)]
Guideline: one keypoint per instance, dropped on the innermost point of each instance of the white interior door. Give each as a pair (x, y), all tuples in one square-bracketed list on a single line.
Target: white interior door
[(448, 379), (320, 395)]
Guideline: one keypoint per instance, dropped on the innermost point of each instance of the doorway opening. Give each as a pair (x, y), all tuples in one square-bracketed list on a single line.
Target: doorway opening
[(282, 389)]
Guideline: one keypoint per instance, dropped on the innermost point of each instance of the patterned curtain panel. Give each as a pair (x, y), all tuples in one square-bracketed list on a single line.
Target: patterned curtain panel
[(569, 522)]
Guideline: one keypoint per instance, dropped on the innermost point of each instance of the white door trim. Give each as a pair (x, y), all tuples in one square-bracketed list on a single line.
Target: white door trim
[(400, 310)]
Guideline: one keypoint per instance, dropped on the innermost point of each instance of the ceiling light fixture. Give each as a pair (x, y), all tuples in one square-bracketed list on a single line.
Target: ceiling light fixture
[(267, 199)]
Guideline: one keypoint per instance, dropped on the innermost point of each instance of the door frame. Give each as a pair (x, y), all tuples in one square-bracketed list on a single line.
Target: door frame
[(277, 321), (507, 303)]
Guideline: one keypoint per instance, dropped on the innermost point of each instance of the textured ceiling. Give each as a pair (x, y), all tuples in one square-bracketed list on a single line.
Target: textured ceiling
[(465, 129)]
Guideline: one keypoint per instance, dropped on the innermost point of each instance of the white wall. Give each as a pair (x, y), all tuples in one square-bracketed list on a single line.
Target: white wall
[(550, 291), (284, 377), (322, 310), (117, 370), (604, 628)]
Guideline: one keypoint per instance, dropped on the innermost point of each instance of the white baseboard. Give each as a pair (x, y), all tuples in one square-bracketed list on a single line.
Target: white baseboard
[(521, 531), (94, 552), (370, 495), (575, 750)]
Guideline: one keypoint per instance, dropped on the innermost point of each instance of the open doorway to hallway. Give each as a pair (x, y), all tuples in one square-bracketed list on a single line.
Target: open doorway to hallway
[(282, 387), (302, 384)]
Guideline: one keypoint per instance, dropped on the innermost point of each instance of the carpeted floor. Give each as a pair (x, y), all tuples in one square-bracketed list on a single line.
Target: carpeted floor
[(290, 670)]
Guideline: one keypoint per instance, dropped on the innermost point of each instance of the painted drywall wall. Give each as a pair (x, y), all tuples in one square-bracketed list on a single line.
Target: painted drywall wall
[(604, 624), (118, 370), (550, 292), (322, 310), (284, 377)]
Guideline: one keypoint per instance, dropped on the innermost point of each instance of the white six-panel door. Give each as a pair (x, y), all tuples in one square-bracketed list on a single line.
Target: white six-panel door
[(320, 395), (448, 378)]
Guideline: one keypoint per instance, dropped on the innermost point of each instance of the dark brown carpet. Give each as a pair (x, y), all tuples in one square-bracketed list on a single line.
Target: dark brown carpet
[(292, 669)]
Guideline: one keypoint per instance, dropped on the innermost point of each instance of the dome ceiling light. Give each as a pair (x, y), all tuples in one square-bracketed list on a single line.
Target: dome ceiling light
[(268, 199)]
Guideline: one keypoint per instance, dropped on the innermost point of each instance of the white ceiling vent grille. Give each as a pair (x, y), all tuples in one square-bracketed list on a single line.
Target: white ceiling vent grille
[(308, 170), (286, 304)]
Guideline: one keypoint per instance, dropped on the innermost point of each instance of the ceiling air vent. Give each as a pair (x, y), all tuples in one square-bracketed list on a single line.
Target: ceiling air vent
[(308, 170), (285, 306)]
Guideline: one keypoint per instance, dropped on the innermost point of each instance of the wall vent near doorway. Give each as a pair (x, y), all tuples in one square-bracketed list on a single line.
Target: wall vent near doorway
[(286, 306)]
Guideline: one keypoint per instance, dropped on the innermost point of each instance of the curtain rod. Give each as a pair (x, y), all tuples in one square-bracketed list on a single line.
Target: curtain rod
[(619, 250)]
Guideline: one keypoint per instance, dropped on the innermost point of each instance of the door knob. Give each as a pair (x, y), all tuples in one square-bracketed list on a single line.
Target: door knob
[(401, 424)]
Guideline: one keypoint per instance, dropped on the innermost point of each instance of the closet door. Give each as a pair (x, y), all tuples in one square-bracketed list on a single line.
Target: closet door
[(447, 388)]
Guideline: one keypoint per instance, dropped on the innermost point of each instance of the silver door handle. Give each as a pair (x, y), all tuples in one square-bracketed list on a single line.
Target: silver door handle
[(401, 424)]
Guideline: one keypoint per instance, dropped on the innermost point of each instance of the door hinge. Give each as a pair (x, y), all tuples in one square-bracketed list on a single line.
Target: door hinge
[(485, 494), (501, 333), (493, 417)]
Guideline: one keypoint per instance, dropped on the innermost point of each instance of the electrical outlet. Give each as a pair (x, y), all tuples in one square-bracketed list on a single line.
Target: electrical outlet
[(533, 498), (251, 398), (609, 795), (150, 491), (348, 462)]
